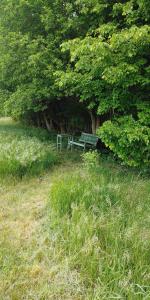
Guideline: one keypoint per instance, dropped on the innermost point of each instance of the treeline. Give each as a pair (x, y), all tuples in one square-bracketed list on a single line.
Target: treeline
[(78, 65)]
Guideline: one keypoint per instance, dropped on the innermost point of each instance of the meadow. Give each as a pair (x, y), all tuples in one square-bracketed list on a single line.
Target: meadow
[(72, 226), (24, 151)]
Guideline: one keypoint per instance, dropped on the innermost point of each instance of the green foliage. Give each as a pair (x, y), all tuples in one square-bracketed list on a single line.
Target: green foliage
[(90, 160), (105, 74), (144, 114), (94, 33), (128, 139), (3, 98), (92, 51)]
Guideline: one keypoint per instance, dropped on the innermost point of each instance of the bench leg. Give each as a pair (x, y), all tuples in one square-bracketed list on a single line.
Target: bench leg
[(59, 143), (69, 147), (70, 139)]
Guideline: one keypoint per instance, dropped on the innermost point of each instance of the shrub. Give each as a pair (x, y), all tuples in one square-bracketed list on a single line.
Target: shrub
[(128, 139), (90, 160)]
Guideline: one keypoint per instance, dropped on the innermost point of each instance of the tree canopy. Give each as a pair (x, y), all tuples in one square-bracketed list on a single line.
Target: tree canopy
[(77, 64)]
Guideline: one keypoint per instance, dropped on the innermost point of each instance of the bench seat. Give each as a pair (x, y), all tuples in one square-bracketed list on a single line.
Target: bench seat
[(77, 144), (86, 140)]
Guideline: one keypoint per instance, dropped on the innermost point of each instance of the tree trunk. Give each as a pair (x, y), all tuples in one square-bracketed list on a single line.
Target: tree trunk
[(98, 122), (38, 121), (93, 122), (62, 127), (47, 123)]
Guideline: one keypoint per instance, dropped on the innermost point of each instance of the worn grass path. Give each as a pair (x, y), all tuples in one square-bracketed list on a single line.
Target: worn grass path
[(29, 264), (30, 267), (21, 219)]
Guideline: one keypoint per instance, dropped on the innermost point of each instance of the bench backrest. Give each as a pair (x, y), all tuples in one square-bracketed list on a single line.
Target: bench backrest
[(89, 138)]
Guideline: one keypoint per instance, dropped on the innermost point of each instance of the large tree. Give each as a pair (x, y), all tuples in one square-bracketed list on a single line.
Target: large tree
[(31, 33), (109, 67)]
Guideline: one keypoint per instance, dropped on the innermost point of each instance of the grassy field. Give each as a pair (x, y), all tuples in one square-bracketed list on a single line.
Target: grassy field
[(24, 151), (69, 231)]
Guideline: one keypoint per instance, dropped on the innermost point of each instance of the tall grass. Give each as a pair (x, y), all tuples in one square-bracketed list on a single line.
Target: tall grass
[(24, 150), (102, 226)]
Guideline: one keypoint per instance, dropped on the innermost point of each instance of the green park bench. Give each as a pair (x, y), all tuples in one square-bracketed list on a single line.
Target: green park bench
[(86, 141)]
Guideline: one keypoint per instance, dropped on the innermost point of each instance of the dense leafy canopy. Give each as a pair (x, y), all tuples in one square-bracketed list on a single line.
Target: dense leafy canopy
[(63, 63)]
